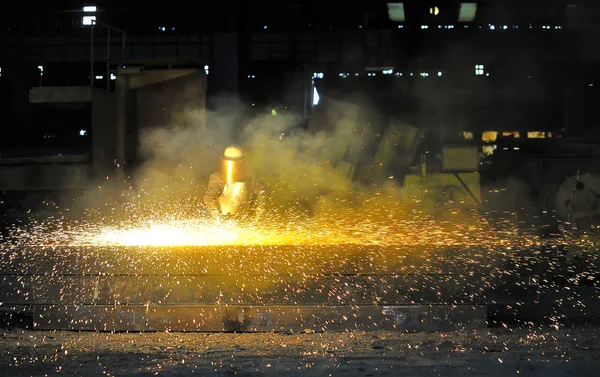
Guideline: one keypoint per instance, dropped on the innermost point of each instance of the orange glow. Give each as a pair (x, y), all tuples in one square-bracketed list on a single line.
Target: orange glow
[(229, 172), (489, 136), (536, 135)]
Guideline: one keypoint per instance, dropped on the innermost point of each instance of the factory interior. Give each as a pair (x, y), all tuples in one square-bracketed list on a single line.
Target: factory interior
[(303, 168)]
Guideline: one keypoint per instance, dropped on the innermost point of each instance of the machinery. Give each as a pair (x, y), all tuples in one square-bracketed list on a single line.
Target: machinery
[(409, 156)]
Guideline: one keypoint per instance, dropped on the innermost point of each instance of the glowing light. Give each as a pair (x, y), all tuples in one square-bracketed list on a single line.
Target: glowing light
[(316, 97), (233, 151), (467, 12), (396, 12), (88, 20)]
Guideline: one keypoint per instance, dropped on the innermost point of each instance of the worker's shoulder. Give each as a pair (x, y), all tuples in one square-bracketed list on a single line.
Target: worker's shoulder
[(216, 176)]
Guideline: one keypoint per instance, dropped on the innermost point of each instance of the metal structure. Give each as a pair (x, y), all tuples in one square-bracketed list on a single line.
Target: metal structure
[(92, 58)]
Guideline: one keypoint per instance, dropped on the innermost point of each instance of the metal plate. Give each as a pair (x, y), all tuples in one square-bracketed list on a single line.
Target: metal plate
[(258, 318)]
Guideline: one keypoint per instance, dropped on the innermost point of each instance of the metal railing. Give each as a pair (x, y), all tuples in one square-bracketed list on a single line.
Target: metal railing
[(109, 28)]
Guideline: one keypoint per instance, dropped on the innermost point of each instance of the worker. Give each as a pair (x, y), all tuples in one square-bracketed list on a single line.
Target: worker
[(583, 207), (233, 192)]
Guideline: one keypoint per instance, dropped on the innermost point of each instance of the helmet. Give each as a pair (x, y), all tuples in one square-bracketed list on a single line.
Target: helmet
[(233, 165)]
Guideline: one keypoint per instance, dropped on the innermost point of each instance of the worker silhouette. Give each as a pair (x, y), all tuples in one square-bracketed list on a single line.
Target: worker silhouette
[(583, 207), (232, 191)]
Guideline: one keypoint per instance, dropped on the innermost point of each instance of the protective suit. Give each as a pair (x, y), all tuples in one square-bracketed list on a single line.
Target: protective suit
[(232, 191)]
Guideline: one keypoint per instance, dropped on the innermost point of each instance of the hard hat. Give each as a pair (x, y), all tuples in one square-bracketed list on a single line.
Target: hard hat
[(233, 152)]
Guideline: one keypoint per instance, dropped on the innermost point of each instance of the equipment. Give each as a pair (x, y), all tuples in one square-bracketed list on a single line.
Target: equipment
[(233, 191)]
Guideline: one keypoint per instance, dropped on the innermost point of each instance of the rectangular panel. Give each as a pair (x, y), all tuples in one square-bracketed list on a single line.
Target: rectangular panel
[(188, 50), (265, 318), (269, 37), (328, 52), (34, 53), (45, 177), (77, 53), (165, 51), (247, 290), (460, 159), (54, 53), (250, 260), (259, 51), (140, 51)]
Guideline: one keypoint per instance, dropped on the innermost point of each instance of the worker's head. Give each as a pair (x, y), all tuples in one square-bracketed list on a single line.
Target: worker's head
[(233, 164)]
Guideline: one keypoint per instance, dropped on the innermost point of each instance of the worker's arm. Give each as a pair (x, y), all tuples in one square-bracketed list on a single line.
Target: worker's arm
[(261, 200), (211, 196)]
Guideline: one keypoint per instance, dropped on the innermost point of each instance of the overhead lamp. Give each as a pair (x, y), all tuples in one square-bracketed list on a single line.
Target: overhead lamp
[(467, 12), (396, 12)]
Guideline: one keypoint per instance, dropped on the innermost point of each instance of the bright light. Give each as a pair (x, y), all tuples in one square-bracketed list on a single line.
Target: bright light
[(467, 12), (99, 77), (439, 73), (492, 27), (388, 71), (89, 9), (316, 96), (206, 69), (112, 76), (396, 12), (41, 68), (317, 75), (82, 132), (89, 20), (479, 69), (434, 10), (0, 71)]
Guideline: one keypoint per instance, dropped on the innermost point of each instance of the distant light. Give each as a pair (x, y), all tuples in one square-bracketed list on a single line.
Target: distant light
[(206, 69), (274, 112), (99, 77), (316, 97), (439, 73), (504, 27), (88, 20), (41, 68), (318, 75), (396, 12), (434, 10), (112, 76), (400, 26), (265, 27), (492, 27), (467, 12), (89, 9), (82, 132)]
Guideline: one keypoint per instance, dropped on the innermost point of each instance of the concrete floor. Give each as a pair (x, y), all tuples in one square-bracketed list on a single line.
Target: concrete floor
[(531, 351)]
